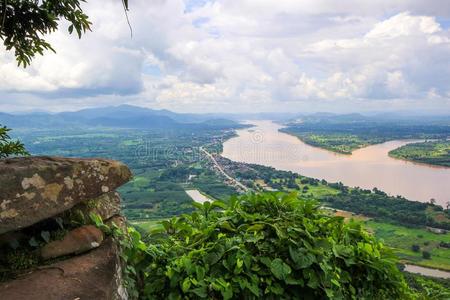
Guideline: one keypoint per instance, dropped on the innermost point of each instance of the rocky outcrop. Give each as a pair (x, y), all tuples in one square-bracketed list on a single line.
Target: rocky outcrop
[(106, 206), (79, 240), (46, 205), (36, 188), (94, 275)]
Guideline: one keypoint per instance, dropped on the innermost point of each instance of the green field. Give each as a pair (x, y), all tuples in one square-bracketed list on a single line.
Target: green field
[(434, 152), (403, 238), (164, 163), (317, 191)]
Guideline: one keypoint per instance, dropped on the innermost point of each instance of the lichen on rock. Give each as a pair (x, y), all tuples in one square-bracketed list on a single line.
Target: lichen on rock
[(35, 188)]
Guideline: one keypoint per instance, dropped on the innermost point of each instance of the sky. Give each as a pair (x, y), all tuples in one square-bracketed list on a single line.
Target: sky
[(244, 56)]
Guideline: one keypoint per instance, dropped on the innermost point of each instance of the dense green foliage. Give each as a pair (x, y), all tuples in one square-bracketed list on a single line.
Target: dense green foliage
[(8, 146), (270, 246), (431, 152), (24, 22)]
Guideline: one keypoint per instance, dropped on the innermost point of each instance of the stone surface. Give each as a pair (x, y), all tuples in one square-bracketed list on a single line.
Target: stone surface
[(94, 275), (36, 188), (76, 241), (106, 206)]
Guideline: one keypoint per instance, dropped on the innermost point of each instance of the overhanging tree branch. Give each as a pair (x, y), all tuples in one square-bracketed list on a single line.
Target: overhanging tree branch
[(24, 23)]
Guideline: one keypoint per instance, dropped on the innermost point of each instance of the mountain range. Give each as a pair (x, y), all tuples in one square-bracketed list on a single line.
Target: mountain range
[(123, 116)]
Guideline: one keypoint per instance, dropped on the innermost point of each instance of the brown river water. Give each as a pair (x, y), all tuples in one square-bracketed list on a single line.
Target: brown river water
[(368, 167)]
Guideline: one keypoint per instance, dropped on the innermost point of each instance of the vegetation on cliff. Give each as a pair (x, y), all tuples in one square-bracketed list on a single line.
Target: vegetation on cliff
[(271, 245)]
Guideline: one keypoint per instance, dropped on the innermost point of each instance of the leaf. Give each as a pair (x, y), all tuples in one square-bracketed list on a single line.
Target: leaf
[(253, 287), (45, 236), (186, 285), (200, 272), (313, 281), (239, 263), (200, 291), (342, 250), (226, 225), (335, 282), (214, 256), (266, 261), (280, 269), (219, 204), (60, 222), (154, 286), (96, 219), (301, 259), (197, 205), (227, 293), (256, 227), (293, 281), (33, 243)]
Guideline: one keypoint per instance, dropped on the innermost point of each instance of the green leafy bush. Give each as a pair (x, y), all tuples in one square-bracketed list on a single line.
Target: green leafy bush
[(426, 254), (9, 147), (265, 246), (415, 248)]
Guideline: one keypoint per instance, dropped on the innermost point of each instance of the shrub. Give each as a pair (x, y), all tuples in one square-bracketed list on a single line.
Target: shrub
[(426, 254), (415, 248), (271, 246)]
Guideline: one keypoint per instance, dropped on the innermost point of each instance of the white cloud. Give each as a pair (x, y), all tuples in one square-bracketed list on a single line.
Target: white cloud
[(404, 24), (243, 55)]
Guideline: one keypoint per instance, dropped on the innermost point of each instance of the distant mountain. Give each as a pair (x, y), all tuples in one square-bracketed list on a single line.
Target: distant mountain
[(356, 118), (220, 123), (33, 120), (123, 116)]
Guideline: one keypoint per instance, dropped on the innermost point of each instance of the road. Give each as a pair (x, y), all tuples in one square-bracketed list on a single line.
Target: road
[(222, 171)]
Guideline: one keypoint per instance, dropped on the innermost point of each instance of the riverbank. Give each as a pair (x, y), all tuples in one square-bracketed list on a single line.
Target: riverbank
[(367, 168)]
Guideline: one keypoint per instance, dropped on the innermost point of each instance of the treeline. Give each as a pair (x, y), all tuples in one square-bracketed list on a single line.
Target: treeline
[(378, 204)]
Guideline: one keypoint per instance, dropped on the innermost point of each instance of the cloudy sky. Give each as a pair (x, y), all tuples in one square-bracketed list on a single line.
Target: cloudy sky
[(244, 56)]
